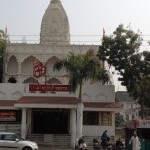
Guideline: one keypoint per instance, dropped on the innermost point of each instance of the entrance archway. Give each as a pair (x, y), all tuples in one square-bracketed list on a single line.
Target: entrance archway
[(50, 121)]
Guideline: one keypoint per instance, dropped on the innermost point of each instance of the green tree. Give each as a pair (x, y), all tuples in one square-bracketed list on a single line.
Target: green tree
[(121, 50), (118, 120), (81, 68), (3, 42)]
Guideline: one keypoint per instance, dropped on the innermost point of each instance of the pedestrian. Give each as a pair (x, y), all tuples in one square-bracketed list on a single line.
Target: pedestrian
[(104, 139), (135, 142)]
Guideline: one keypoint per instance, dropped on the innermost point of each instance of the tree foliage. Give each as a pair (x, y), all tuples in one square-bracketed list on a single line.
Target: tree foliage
[(3, 41), (80, 68), (122, 50)]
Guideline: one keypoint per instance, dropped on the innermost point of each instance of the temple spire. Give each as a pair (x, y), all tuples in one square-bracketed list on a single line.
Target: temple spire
[(55, 25)]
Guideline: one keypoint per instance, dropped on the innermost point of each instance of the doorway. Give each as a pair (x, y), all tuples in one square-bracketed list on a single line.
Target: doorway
[(50, 121)]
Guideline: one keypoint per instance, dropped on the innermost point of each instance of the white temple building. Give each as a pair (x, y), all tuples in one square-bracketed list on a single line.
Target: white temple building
[(51, 113)]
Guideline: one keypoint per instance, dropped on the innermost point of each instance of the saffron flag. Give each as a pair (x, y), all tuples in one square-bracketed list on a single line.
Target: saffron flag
[(39, 69), (103, 32)]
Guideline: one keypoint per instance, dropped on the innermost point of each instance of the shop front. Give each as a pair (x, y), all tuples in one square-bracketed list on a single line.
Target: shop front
[(48, 115)]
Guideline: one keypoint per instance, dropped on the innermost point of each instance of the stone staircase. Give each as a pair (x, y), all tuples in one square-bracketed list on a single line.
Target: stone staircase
[(89, 140), (57, 140), (36, 138)]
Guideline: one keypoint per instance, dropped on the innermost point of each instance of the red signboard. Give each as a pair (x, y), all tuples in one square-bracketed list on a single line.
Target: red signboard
[(49, 87), (142, 123), (7, 116)]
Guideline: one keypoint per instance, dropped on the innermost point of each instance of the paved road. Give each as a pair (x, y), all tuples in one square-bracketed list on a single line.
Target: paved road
[(47, 147)]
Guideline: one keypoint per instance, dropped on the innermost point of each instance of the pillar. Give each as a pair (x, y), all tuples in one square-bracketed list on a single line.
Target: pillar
[(19, 72), (73, 127), (23, 123), (79, 119), (113, 122), (29, 115)]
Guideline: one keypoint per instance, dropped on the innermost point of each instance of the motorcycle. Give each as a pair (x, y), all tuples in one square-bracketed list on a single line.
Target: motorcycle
[(110, 146), (81, 144), (120, 145), (96, 144), (105, 143)]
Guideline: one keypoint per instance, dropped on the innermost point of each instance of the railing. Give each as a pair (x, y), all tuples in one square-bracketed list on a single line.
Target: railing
[(16, 128)]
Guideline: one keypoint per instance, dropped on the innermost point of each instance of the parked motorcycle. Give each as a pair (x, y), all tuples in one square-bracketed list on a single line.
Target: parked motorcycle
[(120, 145), (105, 143), (81, 144), (96, 144), (110, 146), (99, 145)]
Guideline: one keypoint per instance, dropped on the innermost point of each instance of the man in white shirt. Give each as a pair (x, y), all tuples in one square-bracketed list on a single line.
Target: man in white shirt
[(136, 145)]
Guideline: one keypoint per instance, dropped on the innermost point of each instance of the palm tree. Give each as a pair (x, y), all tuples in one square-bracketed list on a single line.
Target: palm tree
[(3, 42), (81, 68)]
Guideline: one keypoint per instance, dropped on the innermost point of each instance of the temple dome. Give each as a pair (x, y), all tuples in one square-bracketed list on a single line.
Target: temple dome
[(55, 25)]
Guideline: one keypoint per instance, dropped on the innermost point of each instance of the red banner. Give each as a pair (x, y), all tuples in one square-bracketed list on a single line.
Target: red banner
[(142, 123), (7, 116), (48, 87)]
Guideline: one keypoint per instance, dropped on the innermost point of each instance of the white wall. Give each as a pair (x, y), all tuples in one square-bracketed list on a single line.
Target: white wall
[(98, 93), (93, 93), (97, 130), (11, 91)]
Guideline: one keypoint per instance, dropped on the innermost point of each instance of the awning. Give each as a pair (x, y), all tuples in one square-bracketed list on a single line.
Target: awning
[(7, 104), (57, 102), (102, 106), (63, 102), (47, 102)]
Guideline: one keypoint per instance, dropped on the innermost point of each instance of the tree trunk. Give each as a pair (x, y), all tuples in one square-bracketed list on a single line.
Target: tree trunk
[(142, 107), (80, 90)]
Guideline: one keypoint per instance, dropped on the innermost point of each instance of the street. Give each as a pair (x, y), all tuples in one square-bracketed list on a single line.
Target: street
[(47, 147)]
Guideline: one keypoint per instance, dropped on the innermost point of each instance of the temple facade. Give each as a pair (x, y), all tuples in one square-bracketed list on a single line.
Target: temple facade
[(51, 112)]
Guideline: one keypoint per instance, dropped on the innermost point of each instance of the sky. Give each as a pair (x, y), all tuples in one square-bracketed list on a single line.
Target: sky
[(87, 18)]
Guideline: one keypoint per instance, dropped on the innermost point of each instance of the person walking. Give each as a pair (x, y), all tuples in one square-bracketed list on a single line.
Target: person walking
[(135, 142)]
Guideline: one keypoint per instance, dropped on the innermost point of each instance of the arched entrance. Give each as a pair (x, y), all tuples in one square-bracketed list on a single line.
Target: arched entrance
[(50, 121)]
